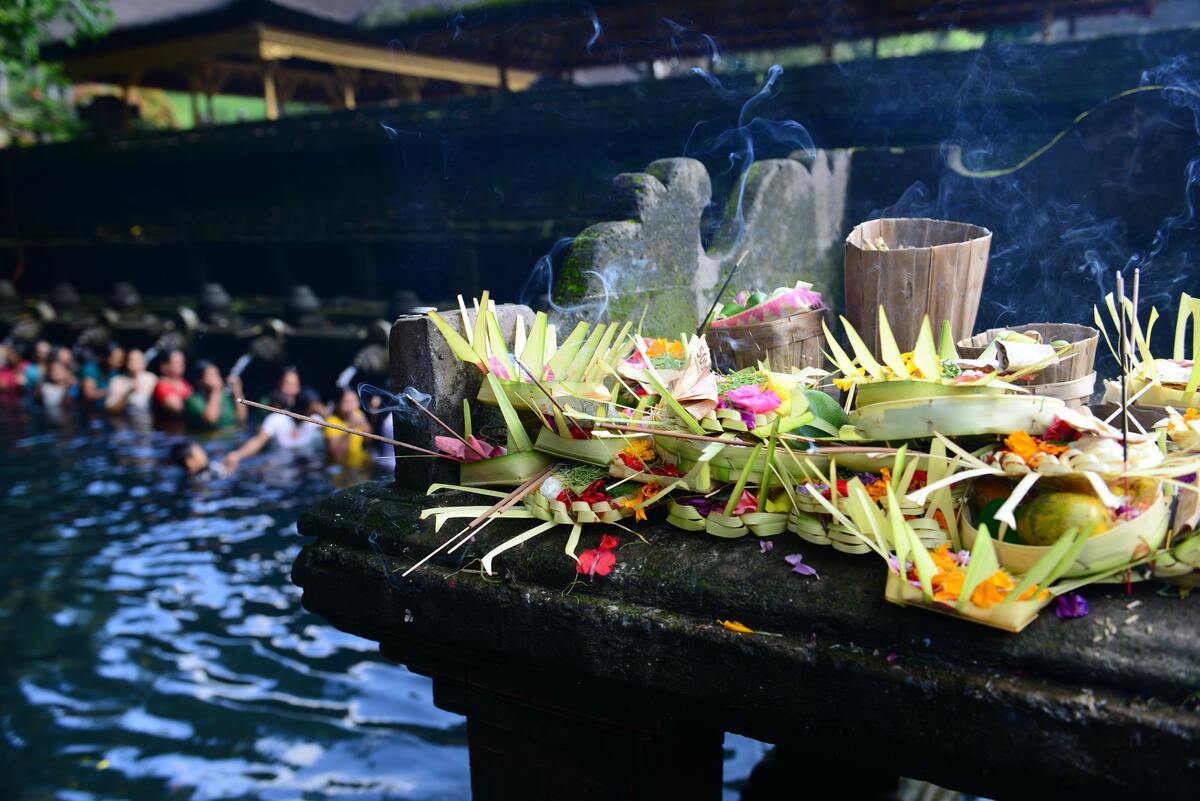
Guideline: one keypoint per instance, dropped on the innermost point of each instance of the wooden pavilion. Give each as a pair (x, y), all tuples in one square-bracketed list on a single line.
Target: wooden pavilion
[(347, 52)]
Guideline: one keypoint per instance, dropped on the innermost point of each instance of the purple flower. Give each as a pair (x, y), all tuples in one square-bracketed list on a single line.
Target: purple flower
[(747, 419), (798, 566), (869, 478), (892, 656), (766, 546), (963, 558), (1190, 478), (1070, 605), (702, 505)]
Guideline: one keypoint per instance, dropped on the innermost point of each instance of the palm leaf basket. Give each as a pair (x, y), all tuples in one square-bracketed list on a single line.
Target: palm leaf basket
[(1072, 379)]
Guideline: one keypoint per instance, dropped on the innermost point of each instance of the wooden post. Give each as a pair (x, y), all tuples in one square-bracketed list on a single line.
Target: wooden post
[(126, 111), (270, 97), (345, 80), (197, 120)]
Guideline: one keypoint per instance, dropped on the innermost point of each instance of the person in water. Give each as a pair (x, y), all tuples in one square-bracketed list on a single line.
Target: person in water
[(133, 389), (98, 372), (35, 371), (347, 449), (213, 404), (194, 460), (284, 433), (172, 390)]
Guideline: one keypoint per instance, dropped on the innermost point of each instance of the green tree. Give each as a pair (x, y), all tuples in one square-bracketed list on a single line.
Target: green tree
[(32, 91)]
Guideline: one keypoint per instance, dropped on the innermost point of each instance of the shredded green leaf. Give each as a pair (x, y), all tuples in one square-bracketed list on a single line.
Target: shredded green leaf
[(667, 362), (582, 476), (742, 378)]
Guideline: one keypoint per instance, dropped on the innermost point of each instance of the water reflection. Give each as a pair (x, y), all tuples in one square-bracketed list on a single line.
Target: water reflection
[(156, 648)]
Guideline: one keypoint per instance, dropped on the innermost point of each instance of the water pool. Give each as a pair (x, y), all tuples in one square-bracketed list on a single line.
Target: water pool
[(154, 646)]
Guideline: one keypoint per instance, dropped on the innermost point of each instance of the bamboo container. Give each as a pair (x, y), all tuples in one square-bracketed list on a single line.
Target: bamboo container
[(793, 341), (931, 267), (1071, 380)]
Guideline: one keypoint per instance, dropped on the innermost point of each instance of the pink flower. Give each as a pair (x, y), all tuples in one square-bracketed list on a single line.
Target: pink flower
[(497, 369), (754, 399), (746, 503), (472, 451)]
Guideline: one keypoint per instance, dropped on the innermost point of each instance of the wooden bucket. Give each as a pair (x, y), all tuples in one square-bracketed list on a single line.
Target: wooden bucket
[(1072, 380), (931, 267), (795, 341)]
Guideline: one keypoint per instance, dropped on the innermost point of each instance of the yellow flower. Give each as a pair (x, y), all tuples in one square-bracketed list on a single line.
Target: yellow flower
[(733, 625), (783, 384), (640, 449), (911, 364), (846, 382), (664, 347)]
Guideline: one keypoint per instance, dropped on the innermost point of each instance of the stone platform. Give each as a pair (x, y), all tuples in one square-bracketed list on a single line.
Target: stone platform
[(621, 688)]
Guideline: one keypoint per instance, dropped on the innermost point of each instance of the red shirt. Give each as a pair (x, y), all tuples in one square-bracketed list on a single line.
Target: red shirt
[(171, 388)]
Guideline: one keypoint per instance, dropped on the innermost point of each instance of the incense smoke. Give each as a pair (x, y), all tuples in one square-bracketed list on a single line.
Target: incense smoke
[(1116, 191), (375, 400)]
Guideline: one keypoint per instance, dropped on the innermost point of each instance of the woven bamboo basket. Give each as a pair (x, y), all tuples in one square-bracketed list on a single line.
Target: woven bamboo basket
[(1071, 380), (931, 267), (794, 341)]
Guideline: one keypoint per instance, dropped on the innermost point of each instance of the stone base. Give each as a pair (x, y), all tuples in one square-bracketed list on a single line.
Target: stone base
[(1067, 709)]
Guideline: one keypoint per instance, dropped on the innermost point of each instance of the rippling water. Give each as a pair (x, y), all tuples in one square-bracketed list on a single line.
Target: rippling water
[(154, 646)]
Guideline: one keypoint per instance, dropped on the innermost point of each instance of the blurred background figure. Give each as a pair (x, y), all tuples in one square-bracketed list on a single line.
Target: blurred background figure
[(347, 449), (172, 390), (133, 388), (12, 369), (97, 374), (214, 404)]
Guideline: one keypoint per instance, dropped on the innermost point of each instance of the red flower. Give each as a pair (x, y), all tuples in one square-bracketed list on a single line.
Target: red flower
[(598, 561), (1060, 432), (665, 470), (843, 490), (593, 494), (631, 461)]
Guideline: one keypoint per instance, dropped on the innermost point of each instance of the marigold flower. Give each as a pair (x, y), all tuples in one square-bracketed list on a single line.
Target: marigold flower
[(943, 558), (947, 585), (992, 590), (647, 491), (1023, 445), (639, 450)]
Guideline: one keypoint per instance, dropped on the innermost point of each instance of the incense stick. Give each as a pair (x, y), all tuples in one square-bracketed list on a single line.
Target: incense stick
[(538, 384), (364, 434), (732, 272), (1124, 352), (453, 433), (514, 496), (742, 444)]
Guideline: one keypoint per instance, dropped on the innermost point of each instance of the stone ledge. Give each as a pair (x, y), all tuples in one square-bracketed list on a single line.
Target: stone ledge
[(997, 712)]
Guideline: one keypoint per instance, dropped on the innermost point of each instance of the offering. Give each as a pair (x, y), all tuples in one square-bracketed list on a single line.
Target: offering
[(782, 329)]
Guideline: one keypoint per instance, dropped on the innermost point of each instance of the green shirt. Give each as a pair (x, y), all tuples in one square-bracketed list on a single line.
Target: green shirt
[(197, 402)]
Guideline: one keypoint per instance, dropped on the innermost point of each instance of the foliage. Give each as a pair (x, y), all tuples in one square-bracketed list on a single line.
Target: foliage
[(33, 107)]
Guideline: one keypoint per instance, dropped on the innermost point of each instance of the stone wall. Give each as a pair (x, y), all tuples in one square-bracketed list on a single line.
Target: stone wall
[(466, 194)]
